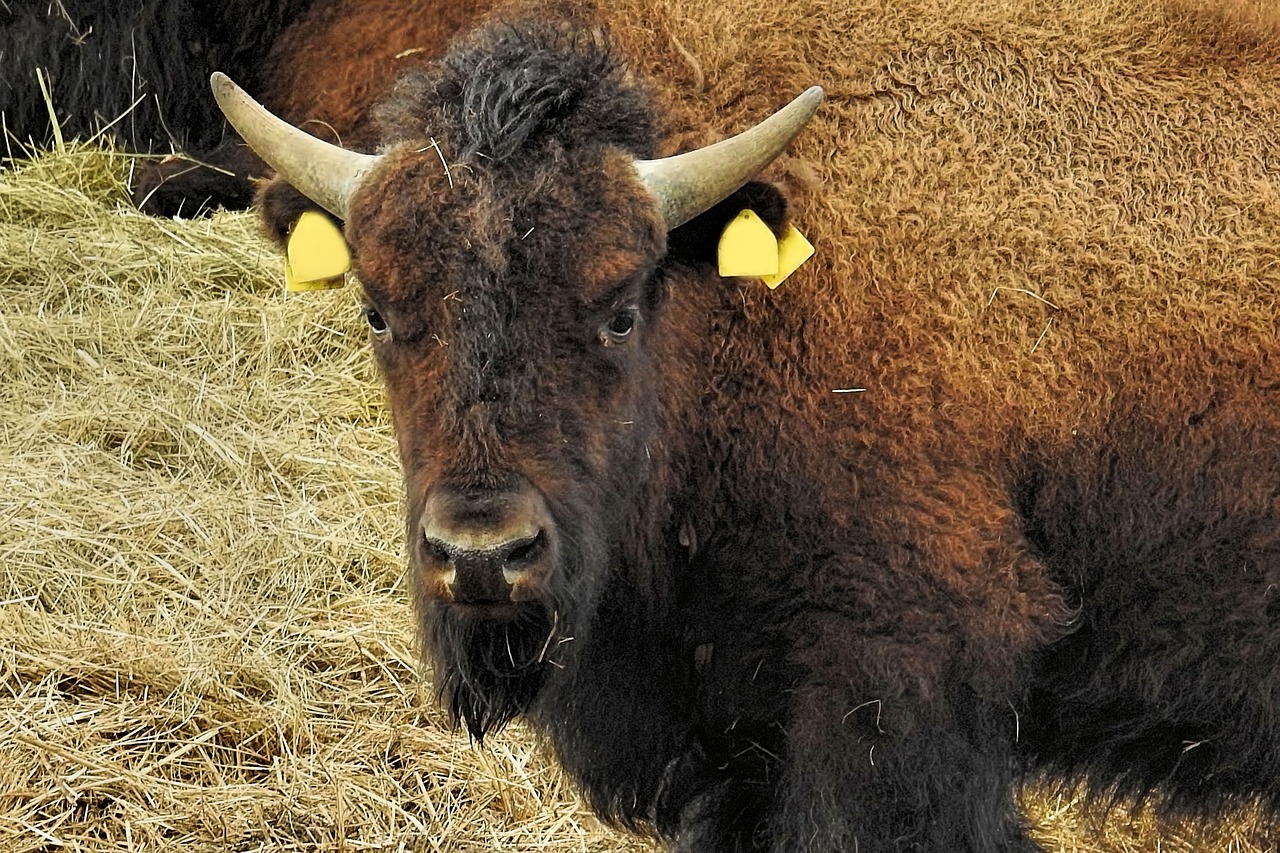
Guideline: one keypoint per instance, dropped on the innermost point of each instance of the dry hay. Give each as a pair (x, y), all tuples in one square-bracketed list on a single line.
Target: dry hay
[(204, 637)]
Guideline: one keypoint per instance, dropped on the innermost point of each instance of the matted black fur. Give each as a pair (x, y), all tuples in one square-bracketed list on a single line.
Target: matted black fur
[(492, 669), (142, 67), (100, 58)]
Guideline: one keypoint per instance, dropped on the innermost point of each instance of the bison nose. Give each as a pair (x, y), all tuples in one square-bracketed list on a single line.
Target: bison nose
[(485, 547)]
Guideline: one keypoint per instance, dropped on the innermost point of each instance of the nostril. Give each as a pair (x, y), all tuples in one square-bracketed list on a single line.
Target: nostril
[(525, 552), (438, 551)]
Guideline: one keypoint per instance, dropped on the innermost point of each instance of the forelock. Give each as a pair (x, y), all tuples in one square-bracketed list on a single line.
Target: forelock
[(515, 88)]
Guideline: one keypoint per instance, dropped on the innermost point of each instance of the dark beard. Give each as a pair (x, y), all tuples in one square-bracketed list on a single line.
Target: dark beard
[(491, 664), (488, 670)]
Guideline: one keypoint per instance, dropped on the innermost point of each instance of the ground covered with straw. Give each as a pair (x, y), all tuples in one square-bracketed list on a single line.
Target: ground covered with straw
[(205, 642), (204, 637)]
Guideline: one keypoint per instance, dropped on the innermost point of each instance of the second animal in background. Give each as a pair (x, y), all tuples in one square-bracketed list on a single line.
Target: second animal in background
[(138, 72)]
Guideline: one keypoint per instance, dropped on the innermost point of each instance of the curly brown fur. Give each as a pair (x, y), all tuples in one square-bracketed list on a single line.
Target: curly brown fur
[(1045, 539), (327, 69)]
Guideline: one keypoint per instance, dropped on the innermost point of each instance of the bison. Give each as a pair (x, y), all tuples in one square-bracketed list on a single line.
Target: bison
[(988, 491), (139, 69)]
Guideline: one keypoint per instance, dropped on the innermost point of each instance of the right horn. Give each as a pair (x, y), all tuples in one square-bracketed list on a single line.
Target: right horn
[(688, 184), (324, 173)]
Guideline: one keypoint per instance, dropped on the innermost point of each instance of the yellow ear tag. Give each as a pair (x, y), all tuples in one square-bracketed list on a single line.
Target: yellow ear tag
[(317, 256), (793, 250), (747, 247)]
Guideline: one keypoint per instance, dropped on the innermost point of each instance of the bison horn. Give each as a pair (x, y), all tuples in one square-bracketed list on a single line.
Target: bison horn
[(324, 173), (690, 183)]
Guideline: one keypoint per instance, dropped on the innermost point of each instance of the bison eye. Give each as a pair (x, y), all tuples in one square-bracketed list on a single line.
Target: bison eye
[(377, 325), (620, 326)]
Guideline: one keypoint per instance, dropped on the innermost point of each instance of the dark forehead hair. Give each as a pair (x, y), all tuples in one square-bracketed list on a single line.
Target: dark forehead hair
[(517, 88)]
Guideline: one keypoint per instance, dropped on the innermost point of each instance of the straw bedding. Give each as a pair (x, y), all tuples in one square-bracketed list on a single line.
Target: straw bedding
[(204, 639)]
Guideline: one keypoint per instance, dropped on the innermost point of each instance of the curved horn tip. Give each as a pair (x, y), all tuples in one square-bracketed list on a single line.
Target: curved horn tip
[(325, 173), (810, 99), (226, 90), (221, 83), (685, 185), (814, 93)]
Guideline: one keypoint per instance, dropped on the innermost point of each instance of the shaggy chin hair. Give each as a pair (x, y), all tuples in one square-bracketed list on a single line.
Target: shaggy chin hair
[(489, 670)]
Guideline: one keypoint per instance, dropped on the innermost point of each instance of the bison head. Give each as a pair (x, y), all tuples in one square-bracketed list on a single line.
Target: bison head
[(512, 242)]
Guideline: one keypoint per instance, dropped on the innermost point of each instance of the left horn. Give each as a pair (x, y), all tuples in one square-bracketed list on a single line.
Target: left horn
[(324, 173), (691, 183)]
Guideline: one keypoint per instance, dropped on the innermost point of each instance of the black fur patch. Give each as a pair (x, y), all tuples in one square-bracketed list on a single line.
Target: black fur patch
[(146, 60), (696, 241)]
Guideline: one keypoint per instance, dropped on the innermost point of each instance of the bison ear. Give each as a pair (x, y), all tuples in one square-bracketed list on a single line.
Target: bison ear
[(696, 242), (281, 206)]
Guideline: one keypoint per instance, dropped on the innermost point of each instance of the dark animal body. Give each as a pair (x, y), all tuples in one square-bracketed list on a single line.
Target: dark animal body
[(145, 65), (989, 491)]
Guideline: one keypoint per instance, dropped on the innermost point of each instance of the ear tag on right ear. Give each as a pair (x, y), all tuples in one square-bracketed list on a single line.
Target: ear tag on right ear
[(793, 250), (747, 247), (317, 256)]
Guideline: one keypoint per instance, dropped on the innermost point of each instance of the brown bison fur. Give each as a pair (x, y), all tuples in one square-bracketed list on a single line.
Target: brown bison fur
[(1043, 541), (326, 71), (322, 73)]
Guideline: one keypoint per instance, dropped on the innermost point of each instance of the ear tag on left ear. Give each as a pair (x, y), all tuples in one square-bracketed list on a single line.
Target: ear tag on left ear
[(747, 247), (793, 250), (293, 285), (317, 256)]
